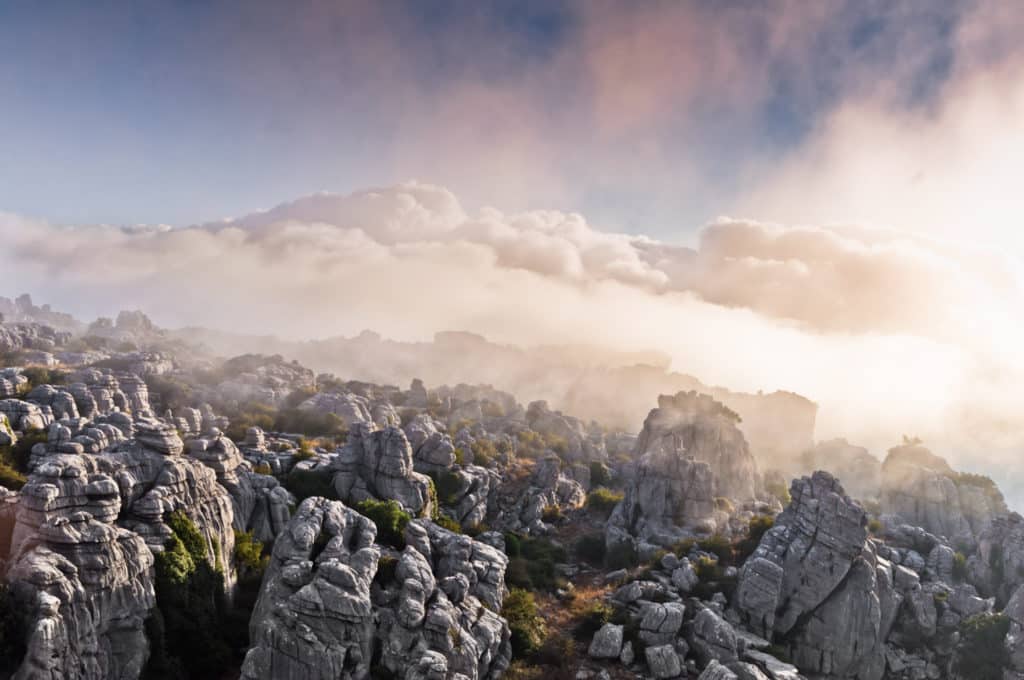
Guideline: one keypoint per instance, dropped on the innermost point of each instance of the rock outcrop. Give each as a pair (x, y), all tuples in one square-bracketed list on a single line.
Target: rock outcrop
[(923, 490), (88, 589), (325, 611), (695, 426), (379, 464)]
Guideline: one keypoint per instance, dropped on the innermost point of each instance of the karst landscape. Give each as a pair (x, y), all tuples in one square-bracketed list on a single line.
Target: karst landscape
[(559, 340)]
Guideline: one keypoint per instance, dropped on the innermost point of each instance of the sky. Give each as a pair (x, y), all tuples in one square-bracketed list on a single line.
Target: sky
[(650, 118), (822, 197)]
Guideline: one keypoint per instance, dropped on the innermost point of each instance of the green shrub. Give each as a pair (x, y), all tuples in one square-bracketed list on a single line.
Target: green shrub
[(603, 500), (192, 632), (959, 567), (981, 654), (448, 484), (557, 444), (306, 483), (11, 478), (591, 548), (263, 469), (513, 546), (778, 488), (39, 375), (874, 526), (551, 513), (446, 522), (484, 452), (390, 519), (622, 556), (718, 546), (524, 622), (533, 566), (249, 553), (755, 531), (600, 475), (593, 617)]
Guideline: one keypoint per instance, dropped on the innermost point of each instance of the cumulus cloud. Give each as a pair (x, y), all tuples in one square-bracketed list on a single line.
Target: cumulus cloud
[(887, 331)]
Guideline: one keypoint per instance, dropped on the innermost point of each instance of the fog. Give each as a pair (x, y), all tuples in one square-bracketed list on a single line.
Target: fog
[(890, 333)]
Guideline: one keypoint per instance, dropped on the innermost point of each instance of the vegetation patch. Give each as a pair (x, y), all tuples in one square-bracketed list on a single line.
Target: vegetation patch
[(390, 519)]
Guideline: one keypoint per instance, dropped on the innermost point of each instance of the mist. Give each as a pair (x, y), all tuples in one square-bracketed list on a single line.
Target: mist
[(889, 333)]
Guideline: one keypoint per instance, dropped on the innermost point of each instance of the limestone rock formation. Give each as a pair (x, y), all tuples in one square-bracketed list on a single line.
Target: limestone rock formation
[(816, 584), (695, 426), (88, 588), (321, 616), (925, 491), (379, 464)]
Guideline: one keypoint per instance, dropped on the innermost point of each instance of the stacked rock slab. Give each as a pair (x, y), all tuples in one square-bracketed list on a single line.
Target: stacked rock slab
[(260, 503), (923, 490), (816, 585), (88, 589), (379, 464), (696, 426), (316, 617)]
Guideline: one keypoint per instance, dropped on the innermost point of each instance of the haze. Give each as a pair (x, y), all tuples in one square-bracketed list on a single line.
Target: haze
[(777, 196)]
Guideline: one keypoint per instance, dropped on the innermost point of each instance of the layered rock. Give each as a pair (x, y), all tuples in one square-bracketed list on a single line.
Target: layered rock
[(260, 503), (379, 464), (816, 584), (319, 615), (923, 490), (549, 488), (89, 588), (669, 498), (695, 426)]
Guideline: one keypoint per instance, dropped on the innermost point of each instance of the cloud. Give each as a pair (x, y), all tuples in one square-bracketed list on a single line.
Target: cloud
[(889, 332)]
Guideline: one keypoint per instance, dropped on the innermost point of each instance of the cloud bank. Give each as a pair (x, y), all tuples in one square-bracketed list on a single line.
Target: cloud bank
[(890, 332)]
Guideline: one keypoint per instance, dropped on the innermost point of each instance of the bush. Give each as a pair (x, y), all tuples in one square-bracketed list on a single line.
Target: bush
[(981, 654), (755, 531), (448, 484), (263, 469), (446, 522), (484, 452), (191, 628), (39, 375), (725, 505), (557, 444), (551, 513), (600, 475), (390, 519), (603, 500), (959, 567), (720, 547), (778, 488), (306, 483), (249, 553), (533, 566), (526, 625), (622, 556), (591, 548), (11, 478), (593, 617), (874, 526)]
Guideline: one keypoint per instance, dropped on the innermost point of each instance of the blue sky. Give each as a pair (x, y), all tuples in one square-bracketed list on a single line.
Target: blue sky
[(648, 118)]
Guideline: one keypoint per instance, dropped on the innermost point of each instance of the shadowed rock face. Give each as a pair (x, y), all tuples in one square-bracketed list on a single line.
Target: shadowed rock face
[(688, 453), (691, 425), (90, 588), (817, 583), (922, 489), (320, 615)]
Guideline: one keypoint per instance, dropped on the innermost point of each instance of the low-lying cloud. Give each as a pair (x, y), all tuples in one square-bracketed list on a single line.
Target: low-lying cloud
[(891, 333)]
